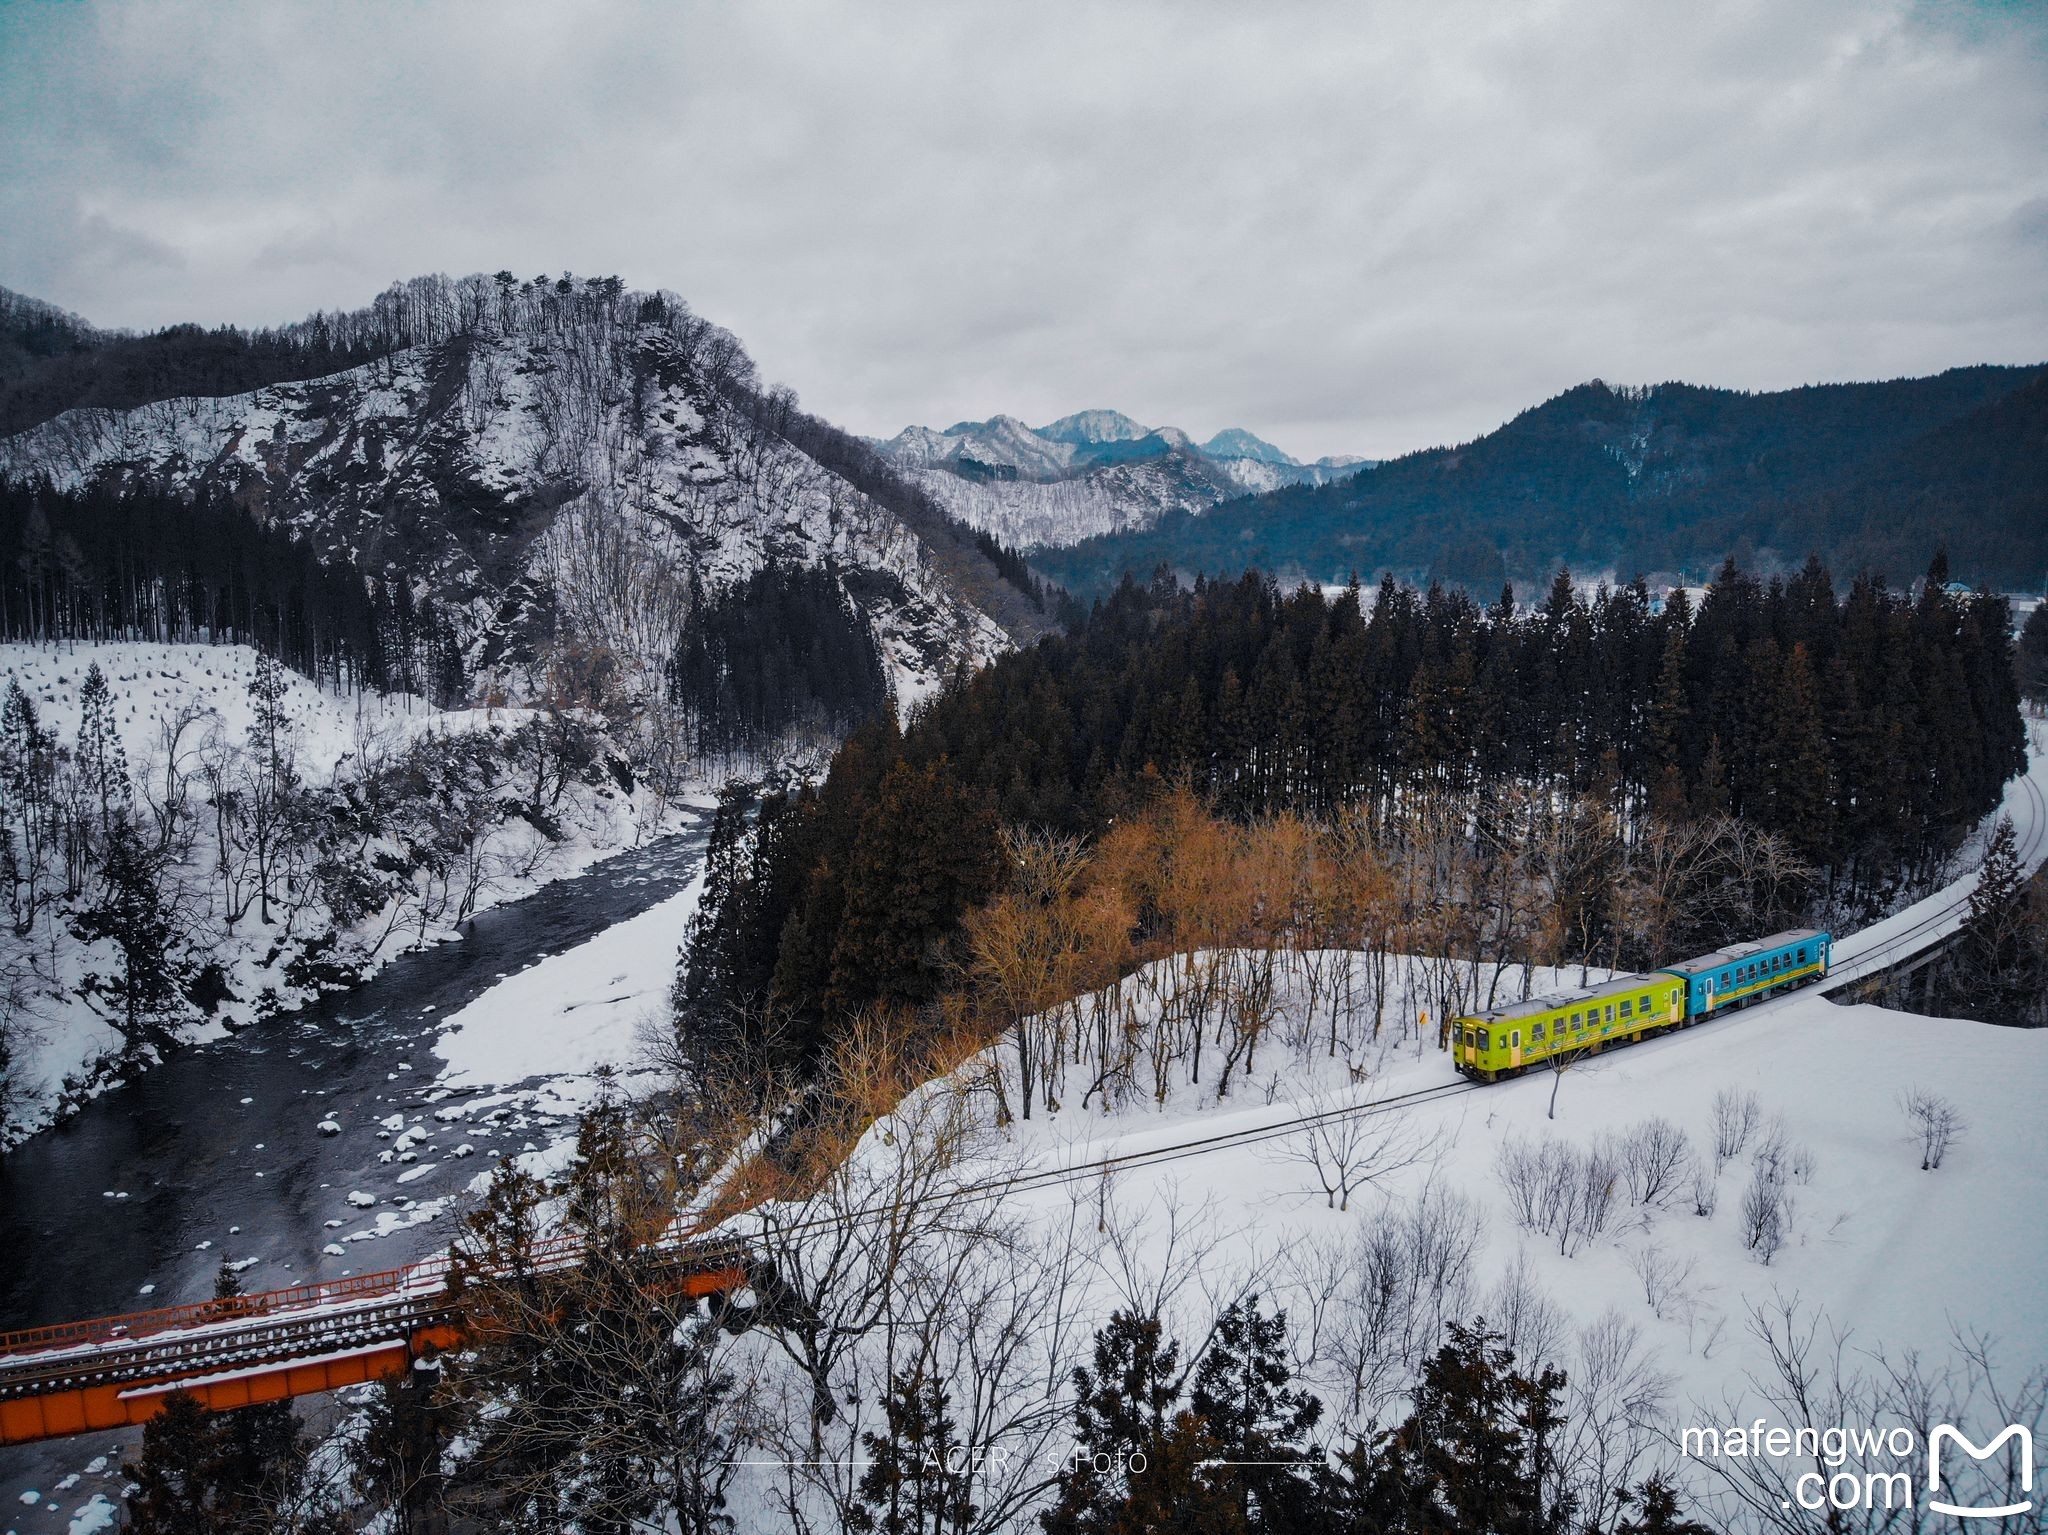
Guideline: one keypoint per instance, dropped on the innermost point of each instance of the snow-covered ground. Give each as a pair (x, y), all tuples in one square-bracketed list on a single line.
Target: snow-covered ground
[(181, 703), (157, 684), (574, 1013), (1656, 1313)]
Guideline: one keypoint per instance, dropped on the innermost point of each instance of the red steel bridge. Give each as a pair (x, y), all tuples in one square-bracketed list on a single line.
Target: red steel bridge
[(118, 1371)]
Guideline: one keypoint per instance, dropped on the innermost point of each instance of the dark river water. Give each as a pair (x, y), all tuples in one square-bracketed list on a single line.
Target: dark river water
[(147, 1185)]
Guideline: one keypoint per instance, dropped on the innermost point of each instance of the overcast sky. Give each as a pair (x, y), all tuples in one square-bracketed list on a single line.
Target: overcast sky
[(1351, 228)]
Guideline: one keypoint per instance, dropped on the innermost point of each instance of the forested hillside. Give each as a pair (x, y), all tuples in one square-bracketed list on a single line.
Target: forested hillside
[(144, 563), (1584, 778), (52, 361), (556, 465), (1669, 479)]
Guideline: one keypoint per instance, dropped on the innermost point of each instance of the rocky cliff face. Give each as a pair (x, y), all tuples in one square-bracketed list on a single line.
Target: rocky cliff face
[(575, 473)]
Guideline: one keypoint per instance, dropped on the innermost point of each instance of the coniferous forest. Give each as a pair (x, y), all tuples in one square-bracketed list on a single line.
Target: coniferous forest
[(783, 650), (136, 563), (1857, 736)]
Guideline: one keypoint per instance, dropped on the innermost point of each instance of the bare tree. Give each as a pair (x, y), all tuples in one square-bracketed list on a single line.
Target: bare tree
[(1615, 1415), (1937, 1123), (1736, 1116), (1350, 1143), (1766, 1207), (1665, 1278), (1656, 1159)]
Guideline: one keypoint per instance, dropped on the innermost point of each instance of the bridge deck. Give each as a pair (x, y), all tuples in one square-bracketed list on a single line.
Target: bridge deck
[(112, 1372)]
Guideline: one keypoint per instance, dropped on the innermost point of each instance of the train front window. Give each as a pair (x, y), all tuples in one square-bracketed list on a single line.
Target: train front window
[(1484, 1042)]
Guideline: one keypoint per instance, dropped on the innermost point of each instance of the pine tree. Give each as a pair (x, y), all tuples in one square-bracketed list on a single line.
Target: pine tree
[(269, 723), (260, 1452), (1257, 1419), (1653, 1510), (2000, 967), (398, 1461), (2032, 655), (1123, 1405), (916, 1478), (101, 761), (1669, 728), (1802, 797), (1472, 1458), (133, 912), (925, 852), (174, 1476)]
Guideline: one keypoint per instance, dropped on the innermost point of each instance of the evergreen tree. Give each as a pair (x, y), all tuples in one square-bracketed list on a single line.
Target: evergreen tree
[(1257, 1420), (229, 1473), (925, 851), (1473, 1458), (399, 1460), (2032, 654), (133, 911), (2000, 967), (174, 1476), (917, 1479), (1802, 798), (269, 723), (1652, 1509), (1124, 1404), (101, 761), (259, 1452)]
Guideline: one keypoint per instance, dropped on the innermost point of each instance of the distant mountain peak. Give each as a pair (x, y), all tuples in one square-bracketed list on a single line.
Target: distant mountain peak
[(1236, 442), (1092, 426)]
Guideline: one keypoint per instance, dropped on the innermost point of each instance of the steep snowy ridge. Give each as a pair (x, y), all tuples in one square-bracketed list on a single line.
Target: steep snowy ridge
[(1028, 513), (1096, 471), (591, 475)]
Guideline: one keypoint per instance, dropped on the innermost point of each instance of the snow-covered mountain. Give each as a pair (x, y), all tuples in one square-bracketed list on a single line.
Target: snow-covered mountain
[(1096, 471), (585, 466)]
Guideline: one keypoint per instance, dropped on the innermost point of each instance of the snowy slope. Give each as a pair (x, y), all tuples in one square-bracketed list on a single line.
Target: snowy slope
[(585, 474), (157, 685), (184, 709)]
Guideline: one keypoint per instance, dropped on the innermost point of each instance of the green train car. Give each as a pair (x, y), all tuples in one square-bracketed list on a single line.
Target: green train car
[(1507, 1041)]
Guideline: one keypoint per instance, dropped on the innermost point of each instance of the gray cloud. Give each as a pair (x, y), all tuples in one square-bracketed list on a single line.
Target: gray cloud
[(1350, 228)]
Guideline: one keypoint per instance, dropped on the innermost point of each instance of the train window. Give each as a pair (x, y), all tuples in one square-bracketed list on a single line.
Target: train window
[(1578, 1020), (1802, 956), (1484, 1044), (1724, 978), (1468, 1039), (1537, 1032), (1610, 1012), (1627, 1007), (1643, 1003), (1518, 1039)]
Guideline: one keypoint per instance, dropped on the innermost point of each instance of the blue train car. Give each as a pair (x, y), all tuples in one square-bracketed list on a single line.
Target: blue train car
[(1746, 972)]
